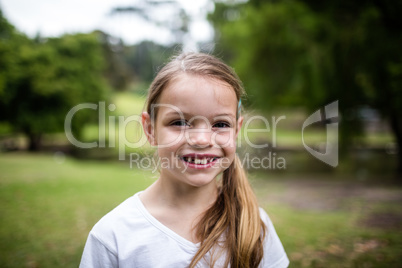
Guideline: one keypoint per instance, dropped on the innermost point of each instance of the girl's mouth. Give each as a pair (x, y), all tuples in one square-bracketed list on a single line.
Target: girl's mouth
[(199, 161)]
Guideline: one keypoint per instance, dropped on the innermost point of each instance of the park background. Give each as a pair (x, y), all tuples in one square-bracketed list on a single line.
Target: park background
[(294, 58)]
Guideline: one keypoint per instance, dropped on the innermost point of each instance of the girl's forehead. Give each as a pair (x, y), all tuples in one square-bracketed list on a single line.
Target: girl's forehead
[(199, 89)]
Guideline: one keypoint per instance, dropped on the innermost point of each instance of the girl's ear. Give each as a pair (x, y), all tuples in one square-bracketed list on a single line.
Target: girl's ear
[(239, 124), (147, 127)]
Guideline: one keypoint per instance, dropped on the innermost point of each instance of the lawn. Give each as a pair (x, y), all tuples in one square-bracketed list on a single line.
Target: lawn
[(334, 221), (49, 204)]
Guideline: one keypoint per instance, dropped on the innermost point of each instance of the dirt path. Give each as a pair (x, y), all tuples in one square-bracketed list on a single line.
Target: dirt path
[(379, 203)]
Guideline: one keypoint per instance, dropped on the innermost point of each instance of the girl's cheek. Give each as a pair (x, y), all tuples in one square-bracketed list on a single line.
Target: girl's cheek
[(170, 138), (224, 139)]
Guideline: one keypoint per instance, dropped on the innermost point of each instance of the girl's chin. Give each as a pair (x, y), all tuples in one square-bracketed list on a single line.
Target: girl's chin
[(198, 179)]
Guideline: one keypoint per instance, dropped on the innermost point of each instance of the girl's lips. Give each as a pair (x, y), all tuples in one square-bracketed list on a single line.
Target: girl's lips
[(199, 161)]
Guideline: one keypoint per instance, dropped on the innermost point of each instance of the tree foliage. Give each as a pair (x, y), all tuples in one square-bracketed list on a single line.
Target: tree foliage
[(310, 53), (146, 57), (42, 79), (274, 50)]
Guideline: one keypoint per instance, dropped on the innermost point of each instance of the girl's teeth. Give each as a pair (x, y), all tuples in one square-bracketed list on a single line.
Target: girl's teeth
[(197, 161)]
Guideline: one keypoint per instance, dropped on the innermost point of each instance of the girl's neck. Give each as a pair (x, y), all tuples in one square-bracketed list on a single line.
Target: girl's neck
[(179, 207), (179, 196)]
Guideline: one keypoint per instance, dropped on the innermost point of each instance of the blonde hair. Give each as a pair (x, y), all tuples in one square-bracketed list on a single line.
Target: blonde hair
[(233, 222)]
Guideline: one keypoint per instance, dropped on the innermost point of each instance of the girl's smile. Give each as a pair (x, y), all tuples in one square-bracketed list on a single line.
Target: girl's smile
[(199, 161)]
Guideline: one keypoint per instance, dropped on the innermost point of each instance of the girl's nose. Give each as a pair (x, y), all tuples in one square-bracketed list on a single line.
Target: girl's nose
[(199, 137)]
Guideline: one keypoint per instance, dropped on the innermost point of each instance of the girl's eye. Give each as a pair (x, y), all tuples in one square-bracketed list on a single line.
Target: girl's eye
[(221, 125), (180, 123)]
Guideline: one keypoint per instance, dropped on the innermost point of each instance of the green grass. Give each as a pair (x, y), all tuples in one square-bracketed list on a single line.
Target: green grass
[(49, 204), (48, 208), (318, 236), (128, 103), (127, 134)]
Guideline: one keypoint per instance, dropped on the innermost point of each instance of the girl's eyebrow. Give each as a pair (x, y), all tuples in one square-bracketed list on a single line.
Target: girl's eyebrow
[(185, 114), (225, 114)]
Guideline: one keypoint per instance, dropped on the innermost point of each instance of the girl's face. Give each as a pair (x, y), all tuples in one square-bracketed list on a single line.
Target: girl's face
[(195, 129)]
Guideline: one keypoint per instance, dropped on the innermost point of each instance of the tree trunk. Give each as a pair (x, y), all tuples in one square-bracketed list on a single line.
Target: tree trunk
[(396, 126), (34, 142)]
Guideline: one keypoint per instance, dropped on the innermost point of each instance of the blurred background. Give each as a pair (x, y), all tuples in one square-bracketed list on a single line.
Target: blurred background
[(294, 57)]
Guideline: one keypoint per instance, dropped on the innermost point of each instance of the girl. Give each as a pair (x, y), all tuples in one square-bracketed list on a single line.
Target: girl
[(201, 212)]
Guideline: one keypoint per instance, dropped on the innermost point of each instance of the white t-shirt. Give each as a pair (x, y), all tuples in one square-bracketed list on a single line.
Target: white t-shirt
[(129, 236)]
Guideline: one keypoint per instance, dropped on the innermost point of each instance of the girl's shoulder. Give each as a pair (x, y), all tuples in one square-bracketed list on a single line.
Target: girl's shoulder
[(265, 218), (124, 215), (274, 253), (129, 235)]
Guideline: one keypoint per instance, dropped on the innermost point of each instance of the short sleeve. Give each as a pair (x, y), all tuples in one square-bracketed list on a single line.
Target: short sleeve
[(274, 253), (97, 255)]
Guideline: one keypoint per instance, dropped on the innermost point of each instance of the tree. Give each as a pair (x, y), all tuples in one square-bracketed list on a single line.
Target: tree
[(274, 50), (126, 64), (368, 48), (146, 57), (117, 72), (46, 78), (168, 14), (308, 53)]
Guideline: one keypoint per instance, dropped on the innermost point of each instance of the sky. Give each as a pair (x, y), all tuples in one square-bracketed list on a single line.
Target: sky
[(52, 18)]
